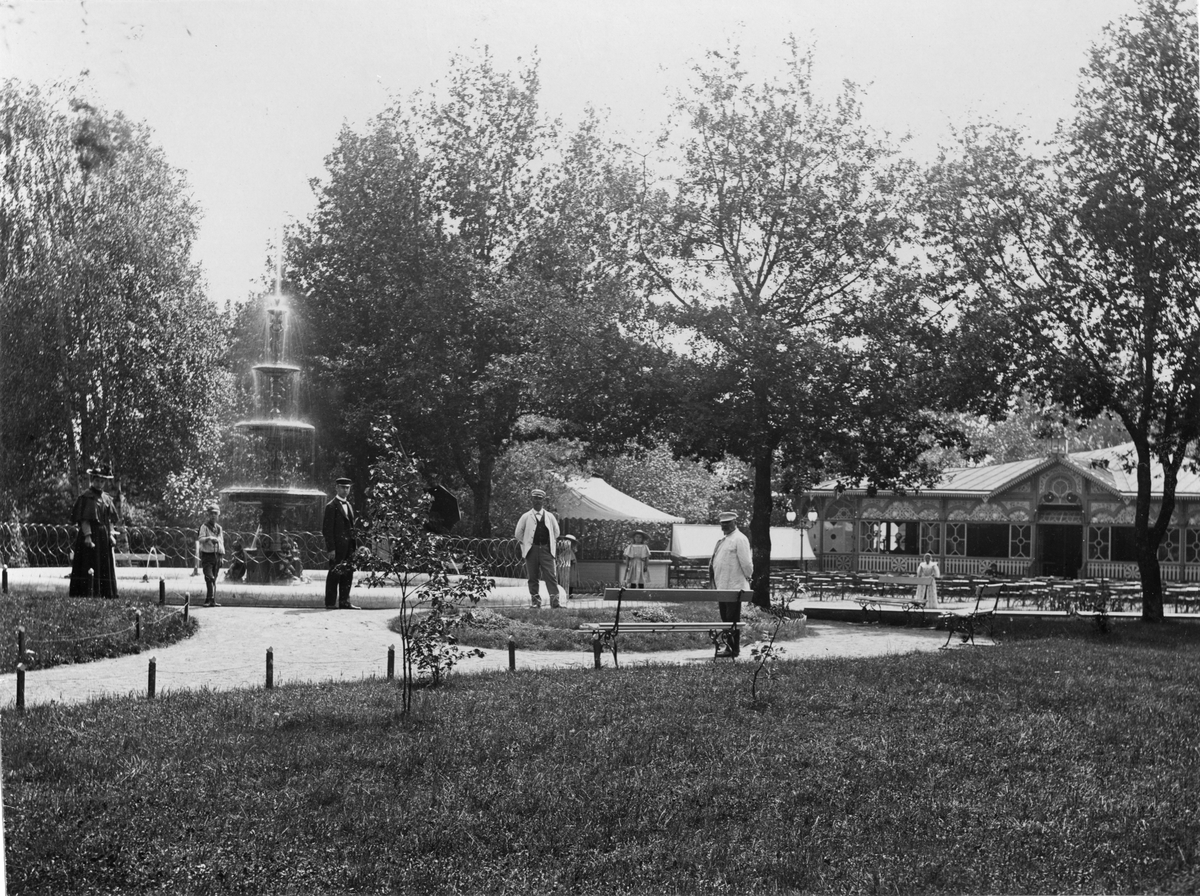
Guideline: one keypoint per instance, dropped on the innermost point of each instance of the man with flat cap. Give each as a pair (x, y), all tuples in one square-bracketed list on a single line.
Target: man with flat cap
[(338, 529), (537, 532), (730, 570)]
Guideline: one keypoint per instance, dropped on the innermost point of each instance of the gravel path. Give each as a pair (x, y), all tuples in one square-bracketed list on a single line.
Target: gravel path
[(308, 645)]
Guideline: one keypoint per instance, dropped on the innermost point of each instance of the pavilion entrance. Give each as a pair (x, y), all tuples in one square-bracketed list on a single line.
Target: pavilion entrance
[(1060, 550)]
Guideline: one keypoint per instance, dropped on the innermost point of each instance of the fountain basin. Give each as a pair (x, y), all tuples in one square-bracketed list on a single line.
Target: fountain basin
[(275, 426), (268, 495), (279, 369)]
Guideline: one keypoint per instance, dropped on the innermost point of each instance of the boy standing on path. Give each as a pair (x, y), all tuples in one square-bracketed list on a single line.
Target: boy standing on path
[(211, 539), (537, 532)]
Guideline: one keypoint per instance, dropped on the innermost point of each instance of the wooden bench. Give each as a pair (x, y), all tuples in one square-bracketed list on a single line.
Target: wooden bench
[(987, 602), (155, 555), (719, 632), (891, 585)]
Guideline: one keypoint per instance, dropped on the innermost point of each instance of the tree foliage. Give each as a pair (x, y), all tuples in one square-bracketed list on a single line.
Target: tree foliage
[(778, 262), (109, 349), (1077, 271), (461, 264)]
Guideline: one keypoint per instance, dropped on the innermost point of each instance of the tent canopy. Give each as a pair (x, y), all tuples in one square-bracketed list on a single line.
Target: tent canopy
[(595, 499), (696, 542)]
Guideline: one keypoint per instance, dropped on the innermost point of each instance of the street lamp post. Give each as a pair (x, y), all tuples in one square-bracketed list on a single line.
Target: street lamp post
[(807, 522)]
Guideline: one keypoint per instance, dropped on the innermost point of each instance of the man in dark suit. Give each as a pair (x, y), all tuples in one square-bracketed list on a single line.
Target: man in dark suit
[(338, 529)]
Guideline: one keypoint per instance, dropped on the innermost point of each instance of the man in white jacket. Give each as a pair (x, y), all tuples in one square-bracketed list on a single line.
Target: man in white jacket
[(537, 531), (730, 570)]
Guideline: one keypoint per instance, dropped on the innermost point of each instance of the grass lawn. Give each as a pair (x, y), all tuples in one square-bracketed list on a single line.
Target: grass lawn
[(62, 629), (1060, 761)]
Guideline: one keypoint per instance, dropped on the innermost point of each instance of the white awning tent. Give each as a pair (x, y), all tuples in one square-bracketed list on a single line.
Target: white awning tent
[(694, 541), (595, 499)]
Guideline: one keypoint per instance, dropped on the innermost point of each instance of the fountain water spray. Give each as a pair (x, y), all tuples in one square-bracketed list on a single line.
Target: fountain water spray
[(280, 436)]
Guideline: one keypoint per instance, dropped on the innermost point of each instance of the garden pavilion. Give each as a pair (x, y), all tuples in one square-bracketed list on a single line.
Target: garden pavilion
[(1067, 514)]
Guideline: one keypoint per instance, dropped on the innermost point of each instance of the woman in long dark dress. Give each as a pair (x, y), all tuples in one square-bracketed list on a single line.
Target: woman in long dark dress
[(93, 567)]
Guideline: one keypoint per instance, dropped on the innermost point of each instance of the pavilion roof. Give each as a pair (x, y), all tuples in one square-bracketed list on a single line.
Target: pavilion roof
[(1111, 469)]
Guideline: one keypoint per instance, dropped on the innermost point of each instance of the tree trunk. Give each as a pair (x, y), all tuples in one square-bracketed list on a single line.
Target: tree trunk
[(760, 528), (481, 496), (1152, 593), (1145, 545)]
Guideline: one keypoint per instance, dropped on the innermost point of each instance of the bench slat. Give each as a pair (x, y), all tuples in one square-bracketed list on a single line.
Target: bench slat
[(670, 595), (142, 558), (661, 626)]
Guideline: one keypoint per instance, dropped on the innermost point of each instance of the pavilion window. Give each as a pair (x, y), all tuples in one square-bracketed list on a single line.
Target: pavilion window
[(888, 537), (1192, 542), (931, 538), (1020, 541), (956, 539), (1100, 543), (1168, 551), (1123, 548), (987, 539)]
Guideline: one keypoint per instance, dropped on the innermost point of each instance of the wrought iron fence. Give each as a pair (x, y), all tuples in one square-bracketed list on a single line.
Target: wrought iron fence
[(38, 545)]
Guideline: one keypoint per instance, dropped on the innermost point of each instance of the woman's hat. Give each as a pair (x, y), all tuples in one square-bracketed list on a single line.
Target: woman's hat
[(103, 472), (570, 538), (641, 532)]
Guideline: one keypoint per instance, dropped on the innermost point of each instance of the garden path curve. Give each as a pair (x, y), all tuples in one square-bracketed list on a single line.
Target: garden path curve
[(310, 645)]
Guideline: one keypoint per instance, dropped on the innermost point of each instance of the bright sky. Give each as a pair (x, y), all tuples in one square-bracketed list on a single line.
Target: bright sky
[(247, 96)]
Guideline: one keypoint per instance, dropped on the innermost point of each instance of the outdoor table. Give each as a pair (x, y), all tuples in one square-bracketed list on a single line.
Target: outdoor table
[(820, 584)]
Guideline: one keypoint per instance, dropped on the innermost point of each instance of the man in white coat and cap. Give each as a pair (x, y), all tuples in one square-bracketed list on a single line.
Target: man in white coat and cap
[(537, 531), (729, 570)]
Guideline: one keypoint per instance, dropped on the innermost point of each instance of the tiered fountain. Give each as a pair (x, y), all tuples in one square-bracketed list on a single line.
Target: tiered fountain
[(281, 438)]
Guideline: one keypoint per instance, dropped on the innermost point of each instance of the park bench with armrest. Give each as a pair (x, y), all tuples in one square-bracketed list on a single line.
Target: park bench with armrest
[(888, 596), (718, 631), (987, 601)]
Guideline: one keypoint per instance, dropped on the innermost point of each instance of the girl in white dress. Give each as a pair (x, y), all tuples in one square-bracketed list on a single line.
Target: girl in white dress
[(637, 561), (927, 592)]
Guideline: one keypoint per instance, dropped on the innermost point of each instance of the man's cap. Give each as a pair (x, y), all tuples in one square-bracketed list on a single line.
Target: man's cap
[(212, 505), (342, 480), (103, 471), (537, 493), (727, 516)]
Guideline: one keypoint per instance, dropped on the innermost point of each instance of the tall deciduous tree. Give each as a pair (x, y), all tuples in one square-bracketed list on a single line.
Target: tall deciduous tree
[(108, 346), (462, 264), (413, 297), (1078, 270), (779, 264)]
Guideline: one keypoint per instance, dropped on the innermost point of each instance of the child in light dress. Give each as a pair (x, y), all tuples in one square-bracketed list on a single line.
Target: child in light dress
[(927, 591), (637, 561)]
